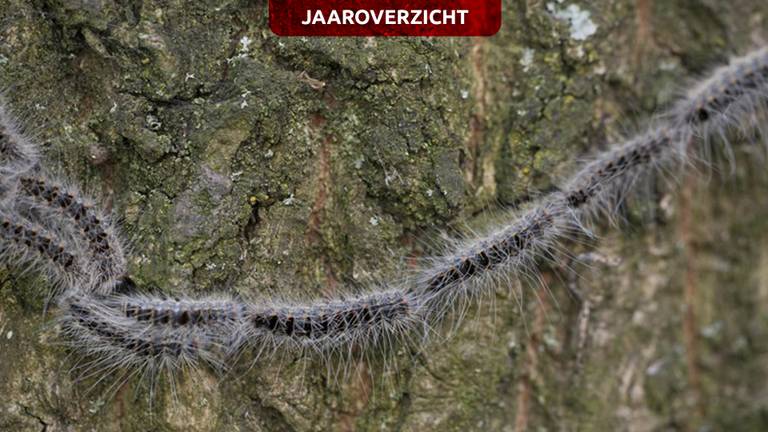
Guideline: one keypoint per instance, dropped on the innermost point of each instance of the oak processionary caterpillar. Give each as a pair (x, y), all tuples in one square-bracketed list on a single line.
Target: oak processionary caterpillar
[(52, 227)]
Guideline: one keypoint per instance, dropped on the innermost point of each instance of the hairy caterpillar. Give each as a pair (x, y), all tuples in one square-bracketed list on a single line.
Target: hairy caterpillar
[(150, 334), (52, 200), (27, 243)]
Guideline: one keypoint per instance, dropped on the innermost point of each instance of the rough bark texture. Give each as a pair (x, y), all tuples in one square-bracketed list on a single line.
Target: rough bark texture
[(245, 162)]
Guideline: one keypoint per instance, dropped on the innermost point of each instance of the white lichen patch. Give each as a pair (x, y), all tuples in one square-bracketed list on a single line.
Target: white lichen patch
[(582, 26), (245, 44), (359, 163), (289, 201), (527, 59)]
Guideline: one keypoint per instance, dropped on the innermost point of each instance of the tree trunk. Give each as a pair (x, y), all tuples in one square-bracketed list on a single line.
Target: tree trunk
[(302, 167)]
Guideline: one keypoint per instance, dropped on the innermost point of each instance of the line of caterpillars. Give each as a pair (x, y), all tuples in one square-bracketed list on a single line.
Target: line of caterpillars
[(498, 251), (741, 85)]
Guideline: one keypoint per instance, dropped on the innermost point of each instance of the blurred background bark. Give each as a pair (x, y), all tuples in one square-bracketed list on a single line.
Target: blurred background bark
[(243, 162)]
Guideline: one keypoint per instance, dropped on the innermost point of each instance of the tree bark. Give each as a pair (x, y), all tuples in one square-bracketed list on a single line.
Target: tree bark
[(247, 163)]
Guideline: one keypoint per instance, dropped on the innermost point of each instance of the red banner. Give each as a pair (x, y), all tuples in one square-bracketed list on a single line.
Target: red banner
[(385, 17)]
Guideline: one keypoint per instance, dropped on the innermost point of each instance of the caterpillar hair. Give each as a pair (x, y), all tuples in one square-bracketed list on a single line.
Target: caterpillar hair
[(148, 335), (378, 320), (26, 245), (52, 202), (56, 209), (730, 95), (603, 184), (112, 342), (446, 282), (17, 153)]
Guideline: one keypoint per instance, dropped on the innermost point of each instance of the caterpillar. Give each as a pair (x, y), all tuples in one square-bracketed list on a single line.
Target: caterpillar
[(50, 199), (61, 232), (25, 243)]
